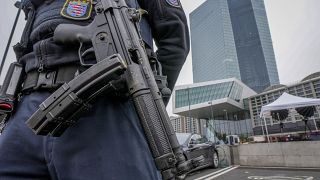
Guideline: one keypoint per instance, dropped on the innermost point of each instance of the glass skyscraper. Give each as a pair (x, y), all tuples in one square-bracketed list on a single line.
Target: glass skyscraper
[(231, 38)]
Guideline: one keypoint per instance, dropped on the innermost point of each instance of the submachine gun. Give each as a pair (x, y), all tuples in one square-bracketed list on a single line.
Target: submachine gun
[(119, 51)]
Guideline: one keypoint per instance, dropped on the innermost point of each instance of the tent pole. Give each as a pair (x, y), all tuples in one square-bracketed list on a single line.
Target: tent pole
[(315, 124), (262, 128), (265, 124)]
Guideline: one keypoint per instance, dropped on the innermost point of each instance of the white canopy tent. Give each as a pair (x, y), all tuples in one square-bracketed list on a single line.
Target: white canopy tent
[(287, 101)]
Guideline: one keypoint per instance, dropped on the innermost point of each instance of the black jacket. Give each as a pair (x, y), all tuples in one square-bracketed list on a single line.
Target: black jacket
[(171, 35), (168, 26)]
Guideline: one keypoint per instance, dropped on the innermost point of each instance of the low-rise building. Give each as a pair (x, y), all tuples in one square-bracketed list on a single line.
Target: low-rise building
[(309, 87), (218, 104)]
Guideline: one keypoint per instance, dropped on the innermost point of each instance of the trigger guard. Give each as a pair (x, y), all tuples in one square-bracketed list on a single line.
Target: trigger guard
[(90, 50), (80, 54)]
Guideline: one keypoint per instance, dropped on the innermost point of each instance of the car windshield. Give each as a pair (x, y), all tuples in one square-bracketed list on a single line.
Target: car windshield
[(183, 137)]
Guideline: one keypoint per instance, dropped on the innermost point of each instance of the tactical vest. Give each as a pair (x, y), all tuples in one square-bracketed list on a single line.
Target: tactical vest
[(37, 49)]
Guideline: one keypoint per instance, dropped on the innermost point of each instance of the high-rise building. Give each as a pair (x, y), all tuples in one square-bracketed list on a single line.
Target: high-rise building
[(231, 38)]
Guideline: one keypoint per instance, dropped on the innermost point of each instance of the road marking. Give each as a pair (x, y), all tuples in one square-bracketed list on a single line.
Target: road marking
[(216, 172), (279, 167), (224, 172), (280, 178)]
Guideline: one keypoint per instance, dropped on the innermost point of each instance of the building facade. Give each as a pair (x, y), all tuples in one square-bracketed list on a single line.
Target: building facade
[(309, 87), (211, 128), (211, 99), (231, 38), (219, 103)]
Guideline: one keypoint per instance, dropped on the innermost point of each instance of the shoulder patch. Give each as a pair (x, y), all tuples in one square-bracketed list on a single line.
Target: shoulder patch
[(174, 3), (77, 9)]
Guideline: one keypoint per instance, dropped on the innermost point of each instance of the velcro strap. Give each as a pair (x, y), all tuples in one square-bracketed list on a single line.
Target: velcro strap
[(50, 79)]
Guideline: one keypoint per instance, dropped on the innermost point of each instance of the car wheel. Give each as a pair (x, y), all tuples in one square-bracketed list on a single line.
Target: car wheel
[(215, 159)]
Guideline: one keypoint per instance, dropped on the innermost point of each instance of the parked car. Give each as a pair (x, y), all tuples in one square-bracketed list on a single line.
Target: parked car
[(195, 145)]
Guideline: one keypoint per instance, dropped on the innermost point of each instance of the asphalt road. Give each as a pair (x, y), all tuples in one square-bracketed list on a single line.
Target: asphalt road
[(247, 173)]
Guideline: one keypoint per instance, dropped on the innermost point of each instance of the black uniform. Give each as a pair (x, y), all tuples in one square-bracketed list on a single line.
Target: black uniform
[(107, 142)]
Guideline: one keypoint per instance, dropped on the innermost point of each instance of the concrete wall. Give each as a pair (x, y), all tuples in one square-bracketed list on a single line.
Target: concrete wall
[(286, 154), (224, 155), (234, 155)]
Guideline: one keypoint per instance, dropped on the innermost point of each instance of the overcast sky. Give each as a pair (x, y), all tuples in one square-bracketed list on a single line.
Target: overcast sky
[(294, 27)]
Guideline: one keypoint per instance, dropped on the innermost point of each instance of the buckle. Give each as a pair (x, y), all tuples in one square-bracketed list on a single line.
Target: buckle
[(49, 79), (46, 80)]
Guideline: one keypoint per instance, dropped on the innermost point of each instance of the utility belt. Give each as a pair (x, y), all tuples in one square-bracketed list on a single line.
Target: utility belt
[(50, 79), (18, 83)]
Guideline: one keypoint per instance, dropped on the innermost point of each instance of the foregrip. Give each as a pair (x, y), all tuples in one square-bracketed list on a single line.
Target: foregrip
[(155, 122)]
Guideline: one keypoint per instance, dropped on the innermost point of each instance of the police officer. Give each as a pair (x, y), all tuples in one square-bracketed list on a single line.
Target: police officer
[(107, 142)]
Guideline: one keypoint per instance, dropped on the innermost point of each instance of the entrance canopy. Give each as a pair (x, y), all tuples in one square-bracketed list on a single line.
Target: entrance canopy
[(288, 101)]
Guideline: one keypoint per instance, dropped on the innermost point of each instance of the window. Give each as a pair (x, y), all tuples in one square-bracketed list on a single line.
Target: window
[(198, 139)]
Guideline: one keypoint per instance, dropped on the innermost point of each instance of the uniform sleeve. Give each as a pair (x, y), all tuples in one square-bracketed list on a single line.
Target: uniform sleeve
[(171, 35)]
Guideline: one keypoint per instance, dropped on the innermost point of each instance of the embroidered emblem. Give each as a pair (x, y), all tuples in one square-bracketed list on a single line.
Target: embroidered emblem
[(77, 9), (174, 3)]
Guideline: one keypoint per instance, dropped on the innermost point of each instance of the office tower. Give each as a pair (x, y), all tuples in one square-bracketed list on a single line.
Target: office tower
[(231, 38)]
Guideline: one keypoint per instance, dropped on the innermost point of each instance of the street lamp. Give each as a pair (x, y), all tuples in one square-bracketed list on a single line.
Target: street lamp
[(189, 121), (236, 125), (214, 129), (227, 120), (239, 124), (211, 113)]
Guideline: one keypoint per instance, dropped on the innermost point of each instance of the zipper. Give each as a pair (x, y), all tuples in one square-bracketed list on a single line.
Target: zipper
[(41, 63), (30, 16)]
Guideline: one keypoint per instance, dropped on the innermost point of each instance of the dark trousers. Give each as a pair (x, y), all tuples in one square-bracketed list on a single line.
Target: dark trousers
[(106, 143)]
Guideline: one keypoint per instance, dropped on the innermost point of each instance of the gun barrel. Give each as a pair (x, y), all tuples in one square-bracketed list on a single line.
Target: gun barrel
[(71, 34)]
